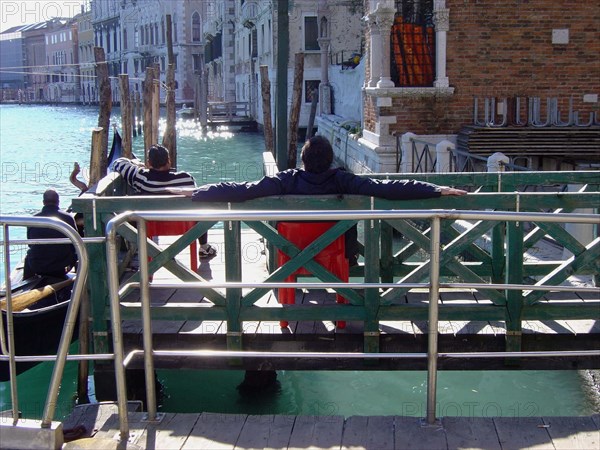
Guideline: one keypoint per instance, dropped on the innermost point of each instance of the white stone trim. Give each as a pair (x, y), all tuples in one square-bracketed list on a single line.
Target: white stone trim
[(378, 85), (414, 92)]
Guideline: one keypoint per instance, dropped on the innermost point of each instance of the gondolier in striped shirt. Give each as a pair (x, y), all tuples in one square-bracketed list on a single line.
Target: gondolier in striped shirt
[(156, 179)]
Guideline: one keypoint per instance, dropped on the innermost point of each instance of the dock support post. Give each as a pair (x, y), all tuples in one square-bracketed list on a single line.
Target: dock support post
[(371, 337), (514, 275), (387, 252), (497, 163), (233, 272)]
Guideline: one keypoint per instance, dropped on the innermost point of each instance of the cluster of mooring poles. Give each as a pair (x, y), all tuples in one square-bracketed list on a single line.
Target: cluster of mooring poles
[(138, 116)]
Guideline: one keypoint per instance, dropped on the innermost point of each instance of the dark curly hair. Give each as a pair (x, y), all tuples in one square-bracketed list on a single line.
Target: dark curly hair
[(158, 156), (317, 154)]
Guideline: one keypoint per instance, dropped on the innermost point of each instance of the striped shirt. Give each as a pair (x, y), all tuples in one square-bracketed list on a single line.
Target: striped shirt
[(151, 181)]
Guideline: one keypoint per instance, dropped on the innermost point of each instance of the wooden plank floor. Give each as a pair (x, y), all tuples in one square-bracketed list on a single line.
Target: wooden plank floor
[(241, 431)]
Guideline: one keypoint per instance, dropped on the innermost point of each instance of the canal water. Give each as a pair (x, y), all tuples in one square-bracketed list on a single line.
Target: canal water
[(38, 147)]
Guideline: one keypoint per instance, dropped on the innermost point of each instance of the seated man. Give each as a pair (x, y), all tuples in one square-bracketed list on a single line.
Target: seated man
[(317, 178), (53, 260), (156, 179)]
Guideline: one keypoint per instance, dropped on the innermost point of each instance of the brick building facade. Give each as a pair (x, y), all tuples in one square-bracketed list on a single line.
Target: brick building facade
[(482, 49)]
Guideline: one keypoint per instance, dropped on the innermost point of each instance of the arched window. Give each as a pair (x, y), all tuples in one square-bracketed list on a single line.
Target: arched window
[(196, 32)]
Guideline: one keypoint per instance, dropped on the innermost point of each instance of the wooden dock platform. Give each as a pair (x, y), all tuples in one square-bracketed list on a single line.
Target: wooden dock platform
[(241, 431)]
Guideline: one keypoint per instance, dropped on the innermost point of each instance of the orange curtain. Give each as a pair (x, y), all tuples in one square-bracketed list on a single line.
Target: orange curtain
[(413, 50)]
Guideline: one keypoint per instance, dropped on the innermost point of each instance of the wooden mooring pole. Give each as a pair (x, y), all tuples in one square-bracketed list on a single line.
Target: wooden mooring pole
[(99, 162), (155, 105), (170, 136), (295, 112), (125, 115), (133, 117), (147, 104), (265, 90), (138, 112), (313, 113), (98, 156)]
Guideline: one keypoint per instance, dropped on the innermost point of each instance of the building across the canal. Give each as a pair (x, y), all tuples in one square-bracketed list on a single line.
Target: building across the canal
[(388, 74)]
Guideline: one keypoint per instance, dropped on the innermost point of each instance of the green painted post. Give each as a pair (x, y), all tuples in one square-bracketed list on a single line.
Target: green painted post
[(98, 287), (514, 275), (371, 338), (387, 252), (98, 297), (498, 253), (233, 272), (281, 110)]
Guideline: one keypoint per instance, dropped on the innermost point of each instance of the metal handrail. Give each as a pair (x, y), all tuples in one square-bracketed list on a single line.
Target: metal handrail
[(72, 309), (435, 216)]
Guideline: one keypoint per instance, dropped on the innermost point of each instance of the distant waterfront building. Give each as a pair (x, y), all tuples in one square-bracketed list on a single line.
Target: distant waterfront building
[(12, 78), (133, 35), (87, 66), (62, 62), (107, 34), (34, 62)]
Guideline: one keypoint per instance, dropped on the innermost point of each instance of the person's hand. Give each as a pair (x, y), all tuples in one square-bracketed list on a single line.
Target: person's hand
[(181, 191), (452, 191)]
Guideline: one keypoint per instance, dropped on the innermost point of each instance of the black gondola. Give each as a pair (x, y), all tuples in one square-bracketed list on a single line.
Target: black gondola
[(38, 328)]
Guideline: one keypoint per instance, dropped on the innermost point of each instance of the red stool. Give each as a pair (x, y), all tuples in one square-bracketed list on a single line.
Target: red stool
[(157, 228), (332, 257)]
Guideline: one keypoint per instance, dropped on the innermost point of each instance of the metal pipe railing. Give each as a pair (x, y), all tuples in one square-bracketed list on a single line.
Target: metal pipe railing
[(72, 309), (435, 216), (432, 343)]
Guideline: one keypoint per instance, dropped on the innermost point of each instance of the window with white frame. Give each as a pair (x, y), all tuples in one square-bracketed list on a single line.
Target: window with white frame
[(413, 44)]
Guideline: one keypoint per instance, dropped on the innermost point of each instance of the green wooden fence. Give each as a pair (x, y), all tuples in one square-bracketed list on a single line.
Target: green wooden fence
[(477, 251)]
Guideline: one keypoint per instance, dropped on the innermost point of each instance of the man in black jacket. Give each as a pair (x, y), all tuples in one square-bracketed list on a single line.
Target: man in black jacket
[(53, 260), (317, 178)]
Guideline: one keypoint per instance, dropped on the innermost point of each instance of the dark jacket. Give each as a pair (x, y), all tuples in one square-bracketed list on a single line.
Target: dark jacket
[(301, 182), (49, 259)]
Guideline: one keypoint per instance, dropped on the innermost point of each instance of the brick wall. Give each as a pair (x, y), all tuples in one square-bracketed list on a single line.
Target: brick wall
[(505, 49)]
